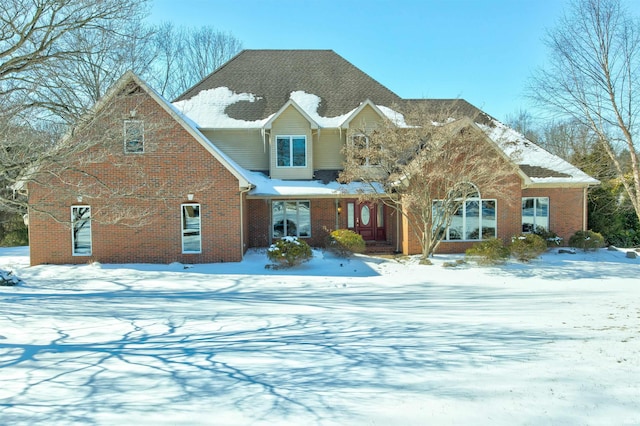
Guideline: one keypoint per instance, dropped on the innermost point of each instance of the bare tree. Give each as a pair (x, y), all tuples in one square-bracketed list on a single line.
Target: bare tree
[(42, 44), (431, 164), (40, 37), (523, 122), (186, 55), (593, 77)]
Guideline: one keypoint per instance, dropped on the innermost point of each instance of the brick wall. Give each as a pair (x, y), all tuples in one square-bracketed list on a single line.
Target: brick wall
[(565, 209), (145, 191)]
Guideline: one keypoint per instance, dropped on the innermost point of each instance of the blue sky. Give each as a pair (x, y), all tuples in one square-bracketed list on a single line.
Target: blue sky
[(481, 50)]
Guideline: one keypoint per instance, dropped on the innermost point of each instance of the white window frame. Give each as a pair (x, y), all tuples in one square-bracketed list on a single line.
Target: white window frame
[(127, 145), (184, 230), (463, 206), (297, 218), (535, 215), (365, 160), (291, 156), (74, 250)]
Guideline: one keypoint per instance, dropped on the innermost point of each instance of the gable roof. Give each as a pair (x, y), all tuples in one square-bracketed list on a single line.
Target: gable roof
[(272, 75), (187, 124)]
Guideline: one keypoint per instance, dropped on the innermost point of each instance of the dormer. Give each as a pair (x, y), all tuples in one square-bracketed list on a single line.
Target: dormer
[(290, 132)]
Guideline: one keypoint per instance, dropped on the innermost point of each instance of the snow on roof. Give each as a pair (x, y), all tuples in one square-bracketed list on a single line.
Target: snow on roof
[(265, 186), (207, 108), (530, 156), (310, 104), (194, 128)]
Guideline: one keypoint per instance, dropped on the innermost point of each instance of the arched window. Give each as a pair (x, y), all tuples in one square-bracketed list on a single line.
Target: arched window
[(475, 218)]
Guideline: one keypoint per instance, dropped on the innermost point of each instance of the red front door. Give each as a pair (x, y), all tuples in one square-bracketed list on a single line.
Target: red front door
[(366, 220)]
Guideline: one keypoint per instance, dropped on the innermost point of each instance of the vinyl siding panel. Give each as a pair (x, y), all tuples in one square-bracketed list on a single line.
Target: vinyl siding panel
[(366, 120), (245, 146), (291, 123), (327, 149)]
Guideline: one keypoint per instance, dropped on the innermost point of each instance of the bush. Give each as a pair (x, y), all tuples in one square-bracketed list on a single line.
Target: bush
[(586, 240), (344, 242), (489, 252), (627, 238), (525, 247), (550, 237), (289, 251)]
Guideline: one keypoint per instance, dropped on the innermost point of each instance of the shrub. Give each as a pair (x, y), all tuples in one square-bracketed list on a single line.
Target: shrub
[(289, 251), (344, 242), (550, 237), (489, 252), (586, 240), (525, 247), (626, 238)]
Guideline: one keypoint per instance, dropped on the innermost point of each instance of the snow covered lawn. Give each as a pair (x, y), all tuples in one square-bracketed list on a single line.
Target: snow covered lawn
[(364, 341)]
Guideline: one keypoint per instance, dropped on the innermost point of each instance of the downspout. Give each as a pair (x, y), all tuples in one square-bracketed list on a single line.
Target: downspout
[(242, 222), (585, 208), (398, 236), (337, 214)]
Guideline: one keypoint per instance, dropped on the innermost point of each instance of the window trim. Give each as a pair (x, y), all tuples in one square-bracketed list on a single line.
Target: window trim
[(535, 216), (296, 218), (481, 233), (365, 161), (184, 230), (73, 237), (291, 156), (126, 139)]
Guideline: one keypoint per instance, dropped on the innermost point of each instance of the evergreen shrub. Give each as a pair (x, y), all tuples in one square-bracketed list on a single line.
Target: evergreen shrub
[(344, 242), (488, 252), (525, 247), (288, 252), (586, 240)]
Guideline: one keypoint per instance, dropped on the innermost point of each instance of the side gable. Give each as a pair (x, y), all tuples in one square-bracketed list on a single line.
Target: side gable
[(189, 126)]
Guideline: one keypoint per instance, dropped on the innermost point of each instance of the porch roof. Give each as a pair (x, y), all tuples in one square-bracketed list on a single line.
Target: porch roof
[(266, 187)]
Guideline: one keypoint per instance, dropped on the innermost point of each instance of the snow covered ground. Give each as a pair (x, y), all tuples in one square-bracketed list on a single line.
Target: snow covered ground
[(365, 341)]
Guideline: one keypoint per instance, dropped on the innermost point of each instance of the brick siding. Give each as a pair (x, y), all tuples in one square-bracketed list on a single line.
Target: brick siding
[(173, 165)]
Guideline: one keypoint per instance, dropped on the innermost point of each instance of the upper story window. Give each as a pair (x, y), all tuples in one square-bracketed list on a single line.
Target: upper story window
[(535, 213), (363, 151), (291, 151), (133, 137)]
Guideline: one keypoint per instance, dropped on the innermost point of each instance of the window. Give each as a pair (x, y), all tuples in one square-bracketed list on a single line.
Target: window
[(191, 225), (363, 150), (291, 218), (475, 219), (81, 230), (291, 151), (133, 137), (351, 221), (535, 213)]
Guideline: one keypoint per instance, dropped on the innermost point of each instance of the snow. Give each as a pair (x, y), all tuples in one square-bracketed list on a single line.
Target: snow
[(207, 109), (525, 152), (265, 186), (357, 341)]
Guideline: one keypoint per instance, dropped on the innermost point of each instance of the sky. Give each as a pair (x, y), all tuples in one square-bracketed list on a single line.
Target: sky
[(484, 51)]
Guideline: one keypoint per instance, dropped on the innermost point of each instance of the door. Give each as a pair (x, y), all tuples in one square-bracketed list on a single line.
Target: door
[(366, 221)]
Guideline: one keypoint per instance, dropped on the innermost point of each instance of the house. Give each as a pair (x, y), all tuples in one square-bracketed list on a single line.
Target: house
[(252, 153)]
